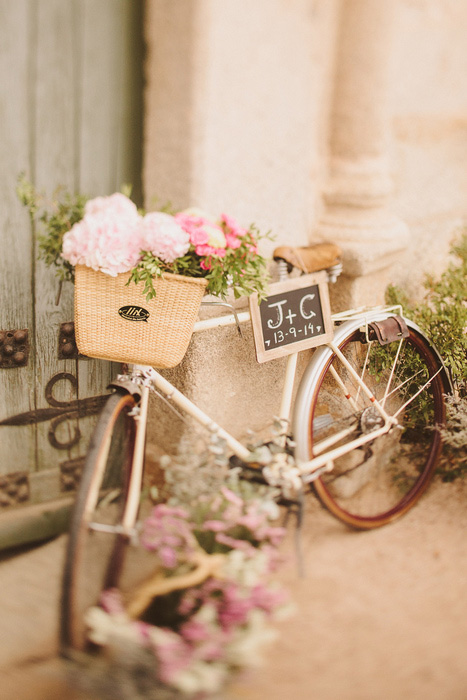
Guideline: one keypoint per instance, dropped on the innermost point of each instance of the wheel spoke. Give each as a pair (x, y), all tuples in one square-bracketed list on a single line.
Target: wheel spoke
[(380, 480)]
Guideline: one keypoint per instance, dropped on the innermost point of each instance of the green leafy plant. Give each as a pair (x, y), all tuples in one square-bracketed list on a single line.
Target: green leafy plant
[(442, 315), (55, 217), (240, 269), (454, 464), (109, 234)]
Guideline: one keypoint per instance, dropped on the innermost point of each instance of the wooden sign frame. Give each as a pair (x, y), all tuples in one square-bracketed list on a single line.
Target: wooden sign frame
[(287, 339)]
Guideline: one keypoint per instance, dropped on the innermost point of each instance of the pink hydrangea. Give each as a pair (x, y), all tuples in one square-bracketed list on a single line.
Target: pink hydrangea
[(104, 240), (161, 235), (120, 205)]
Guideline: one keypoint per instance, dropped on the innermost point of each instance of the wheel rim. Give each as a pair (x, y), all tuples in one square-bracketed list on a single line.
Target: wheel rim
[(377, 483), (93, 558)]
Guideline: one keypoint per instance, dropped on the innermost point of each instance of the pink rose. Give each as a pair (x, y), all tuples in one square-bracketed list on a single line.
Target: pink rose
[(234, 228), (232, 241)]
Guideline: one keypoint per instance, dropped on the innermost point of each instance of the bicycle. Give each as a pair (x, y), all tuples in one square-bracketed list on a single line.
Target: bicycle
[(363, 433)]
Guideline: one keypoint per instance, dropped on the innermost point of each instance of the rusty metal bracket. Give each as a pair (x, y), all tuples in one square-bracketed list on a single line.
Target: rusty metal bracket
[(14, 489), (67, 348), (70, 473), (14, 348), (60, 411), (387, 331)]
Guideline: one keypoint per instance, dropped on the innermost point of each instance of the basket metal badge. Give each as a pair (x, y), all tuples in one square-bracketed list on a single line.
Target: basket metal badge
[(134, 313)]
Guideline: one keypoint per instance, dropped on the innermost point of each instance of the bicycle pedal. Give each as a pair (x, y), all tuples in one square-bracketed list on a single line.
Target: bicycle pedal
[(251, 471)]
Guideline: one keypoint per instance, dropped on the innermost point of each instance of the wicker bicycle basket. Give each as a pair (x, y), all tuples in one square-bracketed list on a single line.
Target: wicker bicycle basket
[(116, 322)]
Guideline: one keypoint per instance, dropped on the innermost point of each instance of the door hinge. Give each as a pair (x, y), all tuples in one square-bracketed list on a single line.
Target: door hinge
[(67, 348), (14, 348)]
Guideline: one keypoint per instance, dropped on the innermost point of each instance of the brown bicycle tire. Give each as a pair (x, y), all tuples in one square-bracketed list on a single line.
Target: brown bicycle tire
[(114, 417), (439, 387)]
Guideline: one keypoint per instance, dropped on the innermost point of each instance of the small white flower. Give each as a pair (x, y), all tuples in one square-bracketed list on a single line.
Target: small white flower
[(201, 677), (245, 649), (103, 627)]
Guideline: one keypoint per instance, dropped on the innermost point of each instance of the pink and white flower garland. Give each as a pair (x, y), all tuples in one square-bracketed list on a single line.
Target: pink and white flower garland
[(224, 622)]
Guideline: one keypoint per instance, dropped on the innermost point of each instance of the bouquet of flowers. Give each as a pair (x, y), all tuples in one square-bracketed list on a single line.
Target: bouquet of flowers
[(206, 613), (109, 234)]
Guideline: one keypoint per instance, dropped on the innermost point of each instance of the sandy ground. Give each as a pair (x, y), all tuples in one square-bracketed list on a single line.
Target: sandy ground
[(380, 615)]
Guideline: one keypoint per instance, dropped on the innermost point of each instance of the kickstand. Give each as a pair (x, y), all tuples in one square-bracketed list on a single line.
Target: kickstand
[(297, 508)]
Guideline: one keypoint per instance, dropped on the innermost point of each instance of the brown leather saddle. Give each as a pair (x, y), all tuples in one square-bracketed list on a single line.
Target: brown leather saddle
[(319, 256)]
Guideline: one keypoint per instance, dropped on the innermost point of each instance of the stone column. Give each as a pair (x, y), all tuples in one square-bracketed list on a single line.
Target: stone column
[(357, 195)]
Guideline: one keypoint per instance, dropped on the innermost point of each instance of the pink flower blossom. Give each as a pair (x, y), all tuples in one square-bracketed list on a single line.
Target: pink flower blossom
[(198, 236), (167, 532), (234, 543), (232, 241), (120, 205), (202, 231), (234, 608), (229, 495), (204, 250), (267, 599), (251, 520), (216, 237), (195, 631), (104, 241), (174, 655), (215, 525), (274, 535), (111, 601), (161, 235), (234, 228)]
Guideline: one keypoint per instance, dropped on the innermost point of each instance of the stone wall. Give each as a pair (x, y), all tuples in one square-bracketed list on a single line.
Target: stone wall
[(317, 119)]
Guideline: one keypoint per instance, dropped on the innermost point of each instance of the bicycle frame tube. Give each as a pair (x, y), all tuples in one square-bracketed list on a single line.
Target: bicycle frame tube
[(173, 394), (307, 386), (134, 487), (325, 455)]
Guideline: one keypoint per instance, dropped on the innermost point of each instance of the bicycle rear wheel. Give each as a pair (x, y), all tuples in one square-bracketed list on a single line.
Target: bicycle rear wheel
[(381, 480), (95, 552)]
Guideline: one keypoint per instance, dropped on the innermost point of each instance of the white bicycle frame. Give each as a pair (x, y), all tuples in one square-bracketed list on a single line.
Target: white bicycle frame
[(324, 456)]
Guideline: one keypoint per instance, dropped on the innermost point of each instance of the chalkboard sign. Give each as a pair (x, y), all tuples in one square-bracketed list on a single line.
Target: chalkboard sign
[(295, 316)]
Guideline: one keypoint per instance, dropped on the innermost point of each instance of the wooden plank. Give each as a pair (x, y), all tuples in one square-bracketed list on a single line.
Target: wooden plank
[(100, 95), (54, 164), (130, 139), (17, 394), (110, 108), (70, 108)]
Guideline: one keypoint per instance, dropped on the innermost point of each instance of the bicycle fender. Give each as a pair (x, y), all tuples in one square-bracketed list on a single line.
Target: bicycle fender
[(124, 385)]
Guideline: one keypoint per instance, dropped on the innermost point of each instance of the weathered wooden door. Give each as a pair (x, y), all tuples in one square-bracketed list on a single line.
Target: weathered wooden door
[(70, 114)]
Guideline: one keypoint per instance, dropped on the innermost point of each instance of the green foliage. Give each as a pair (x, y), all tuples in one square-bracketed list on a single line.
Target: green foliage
[(55, 217), (242, 270), (454, 464), (442, 313)]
